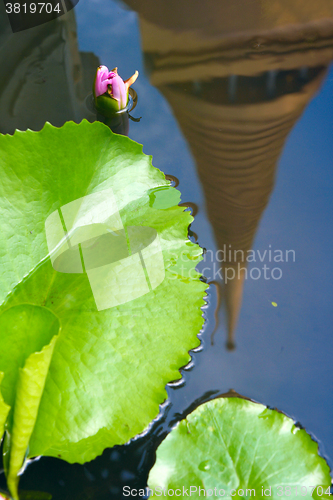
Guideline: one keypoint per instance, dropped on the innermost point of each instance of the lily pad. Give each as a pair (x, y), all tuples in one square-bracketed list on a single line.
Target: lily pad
[(100, 300), (231, 447)]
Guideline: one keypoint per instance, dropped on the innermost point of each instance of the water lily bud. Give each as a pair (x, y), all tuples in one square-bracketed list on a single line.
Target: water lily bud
[(110, 91)]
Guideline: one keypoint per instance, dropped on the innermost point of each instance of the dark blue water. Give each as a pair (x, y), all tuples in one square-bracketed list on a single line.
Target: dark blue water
[(283, 354)]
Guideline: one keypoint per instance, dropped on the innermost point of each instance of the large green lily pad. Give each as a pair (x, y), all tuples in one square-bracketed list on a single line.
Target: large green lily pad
[(232, 447), (100, 300)]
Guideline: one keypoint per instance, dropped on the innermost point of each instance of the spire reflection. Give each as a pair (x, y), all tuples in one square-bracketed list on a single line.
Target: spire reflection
[(237, 77)]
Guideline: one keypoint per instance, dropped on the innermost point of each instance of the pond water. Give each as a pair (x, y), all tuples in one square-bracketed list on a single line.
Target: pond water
[(236, 104)]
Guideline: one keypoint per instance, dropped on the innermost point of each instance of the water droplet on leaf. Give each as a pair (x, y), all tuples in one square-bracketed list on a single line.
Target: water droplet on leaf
[(204, 465)]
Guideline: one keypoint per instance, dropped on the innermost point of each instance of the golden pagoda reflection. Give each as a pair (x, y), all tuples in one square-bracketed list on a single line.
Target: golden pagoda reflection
[(237, 75)]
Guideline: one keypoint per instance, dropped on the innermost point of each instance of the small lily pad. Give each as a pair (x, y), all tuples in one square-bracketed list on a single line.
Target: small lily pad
[(232, 447)]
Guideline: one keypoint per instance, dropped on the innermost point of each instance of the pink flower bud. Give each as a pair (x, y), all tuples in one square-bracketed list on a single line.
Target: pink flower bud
[(110, 91)]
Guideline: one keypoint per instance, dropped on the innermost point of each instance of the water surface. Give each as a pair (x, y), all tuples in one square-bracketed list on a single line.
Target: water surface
[(244, 121)]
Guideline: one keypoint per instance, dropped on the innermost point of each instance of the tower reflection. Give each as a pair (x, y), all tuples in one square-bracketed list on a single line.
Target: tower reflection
[(237, 76)]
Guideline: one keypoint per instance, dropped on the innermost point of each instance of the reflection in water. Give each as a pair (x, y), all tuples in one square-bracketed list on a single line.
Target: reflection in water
[(193, 206), (236, 149), (237, 76), (217, 59), (119, 122), (43, 75), (44, 78), (174, 181)]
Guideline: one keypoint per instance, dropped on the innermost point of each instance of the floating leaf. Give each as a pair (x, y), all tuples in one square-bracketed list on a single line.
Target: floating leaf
[(242, 449), (100, 300)]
